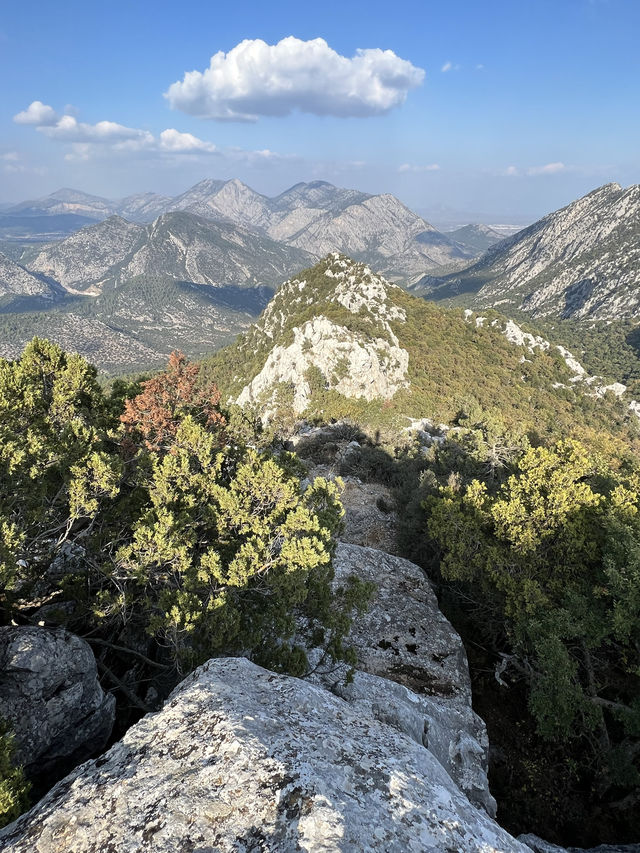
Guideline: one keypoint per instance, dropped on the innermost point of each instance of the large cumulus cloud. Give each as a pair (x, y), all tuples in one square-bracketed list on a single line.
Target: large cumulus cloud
[(257, 79)]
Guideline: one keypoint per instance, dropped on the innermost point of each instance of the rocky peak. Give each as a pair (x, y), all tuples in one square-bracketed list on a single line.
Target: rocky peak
[(580, 262), (337, 319), (82, 260), (316, 194)]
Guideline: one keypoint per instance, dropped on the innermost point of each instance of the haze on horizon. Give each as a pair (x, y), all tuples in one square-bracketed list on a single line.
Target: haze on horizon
[(494, 110)]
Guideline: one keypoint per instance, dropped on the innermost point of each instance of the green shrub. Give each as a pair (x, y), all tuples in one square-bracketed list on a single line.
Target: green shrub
[(185, 531), (14, 789)]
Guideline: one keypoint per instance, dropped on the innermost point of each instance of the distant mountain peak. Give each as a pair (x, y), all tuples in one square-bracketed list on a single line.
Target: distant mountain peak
[(580, 262)]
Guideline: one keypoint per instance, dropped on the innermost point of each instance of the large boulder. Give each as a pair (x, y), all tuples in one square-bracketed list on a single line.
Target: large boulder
[(51, 696), (242, 759), (412, 670)]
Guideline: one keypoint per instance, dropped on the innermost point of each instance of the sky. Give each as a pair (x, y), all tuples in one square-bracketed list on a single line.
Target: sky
[(493, 110)]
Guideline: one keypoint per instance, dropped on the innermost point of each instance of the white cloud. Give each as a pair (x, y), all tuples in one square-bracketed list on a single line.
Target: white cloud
[(257, 79), (37, 113), (69, 129), (447, 67), (173, 140), (108, 139), (410, 167), (87, 140), (10, 157), (548, 169)]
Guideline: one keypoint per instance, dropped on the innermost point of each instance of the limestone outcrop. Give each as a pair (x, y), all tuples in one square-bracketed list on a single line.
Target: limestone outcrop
[(373, 369), (242, 759), (412, 668), (51, 696), (336, 326)]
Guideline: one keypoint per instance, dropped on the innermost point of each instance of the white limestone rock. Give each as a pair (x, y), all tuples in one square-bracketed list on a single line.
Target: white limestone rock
[(355, 368), (366, 363), (404, 638), (241, 759)]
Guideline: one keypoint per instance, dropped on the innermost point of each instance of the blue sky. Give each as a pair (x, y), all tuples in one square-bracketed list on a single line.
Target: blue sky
[(495, 108)]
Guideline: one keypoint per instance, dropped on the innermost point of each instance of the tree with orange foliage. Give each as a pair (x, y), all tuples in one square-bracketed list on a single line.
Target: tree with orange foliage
[(156, 413)]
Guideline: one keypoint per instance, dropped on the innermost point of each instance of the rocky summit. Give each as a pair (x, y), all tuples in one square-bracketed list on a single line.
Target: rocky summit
[(372, 366)]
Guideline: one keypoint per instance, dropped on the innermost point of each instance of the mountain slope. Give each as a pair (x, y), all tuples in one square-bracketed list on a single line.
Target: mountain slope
[(190, 248), (20, 287), (82, 260), (475, 238), (581, 262), (136, 325), (228, 200), (180, 245), (143, 207), (66, 201), (340, 341), (379, 230)]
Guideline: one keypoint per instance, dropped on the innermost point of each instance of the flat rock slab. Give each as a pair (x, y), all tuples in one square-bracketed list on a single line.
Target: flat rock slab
[(241, 759)]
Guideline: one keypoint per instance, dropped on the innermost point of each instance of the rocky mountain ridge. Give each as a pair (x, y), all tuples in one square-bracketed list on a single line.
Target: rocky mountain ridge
[(338, 337), (580, 262), (180, 246), (317, 217)]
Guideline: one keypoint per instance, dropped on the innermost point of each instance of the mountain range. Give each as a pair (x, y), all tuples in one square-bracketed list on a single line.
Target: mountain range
[(223, 248), (316, 217)]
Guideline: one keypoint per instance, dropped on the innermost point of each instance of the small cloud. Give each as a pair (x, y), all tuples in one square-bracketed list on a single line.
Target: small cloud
[(410, 167), (37, 113), (177, 142), (106, 138), (86, 139), (258, 79), (480, 67), (447, 67), (69, 129), (548, 169)]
